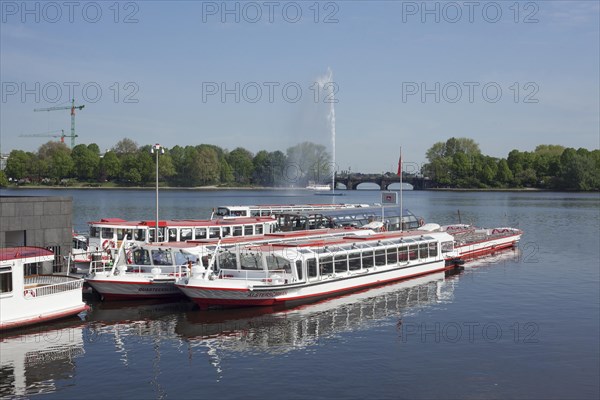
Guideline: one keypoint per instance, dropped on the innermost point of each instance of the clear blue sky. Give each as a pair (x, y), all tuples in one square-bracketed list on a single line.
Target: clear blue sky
[(382, 55)]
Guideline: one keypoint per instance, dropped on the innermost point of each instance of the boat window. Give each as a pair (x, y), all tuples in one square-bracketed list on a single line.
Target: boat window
[(394, 224), (200, 233), (94, 232), (120, 234), (413, 252), (380, 257), (403, 253), (214, 232), (248, 230), (278, 263), (31, 269), (311, 267), (354, 261), (250, 261), (6, 280), (172, 235), (182, 258), (433, 249), (423, 250), (185, 234), (141, 257), (258, 229), (161, 257), (227, 260), (392, 255), (341, 263), (79, 244), (299, 269), (226, 231), (326, 265), (367, 258), (237, 231), (107, 233), (139, 234), (161, 234), (447, 247)]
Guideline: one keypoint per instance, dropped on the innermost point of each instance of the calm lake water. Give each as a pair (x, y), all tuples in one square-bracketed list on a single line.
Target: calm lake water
[(523, 324)]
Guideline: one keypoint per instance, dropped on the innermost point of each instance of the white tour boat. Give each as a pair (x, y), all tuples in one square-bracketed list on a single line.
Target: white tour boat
[(27, 298), (266, 210), (304, 270), (149, 271), (471, 242), (107, 234), (318, 186)]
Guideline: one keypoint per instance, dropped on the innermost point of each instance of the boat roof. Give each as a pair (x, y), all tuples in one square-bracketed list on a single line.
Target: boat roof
[(288, 206), (276, 237), (118, 222), (328, 245), (24, 252)]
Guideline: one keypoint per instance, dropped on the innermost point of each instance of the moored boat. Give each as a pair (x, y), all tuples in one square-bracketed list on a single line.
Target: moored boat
[(107, 234), (28, 298), (149, 271), (471, 241), (307, 270)]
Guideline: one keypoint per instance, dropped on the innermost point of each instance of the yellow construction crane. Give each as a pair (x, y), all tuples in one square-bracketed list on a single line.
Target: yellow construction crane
[(72, 107)]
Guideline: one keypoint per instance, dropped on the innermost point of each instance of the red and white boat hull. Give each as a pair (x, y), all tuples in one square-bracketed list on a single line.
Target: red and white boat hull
[(131, 290), (488, 246)]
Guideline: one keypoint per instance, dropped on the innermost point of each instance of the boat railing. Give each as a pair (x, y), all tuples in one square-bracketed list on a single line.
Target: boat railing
[(100, 266), (275, 276), (170, 270), (45, 285)]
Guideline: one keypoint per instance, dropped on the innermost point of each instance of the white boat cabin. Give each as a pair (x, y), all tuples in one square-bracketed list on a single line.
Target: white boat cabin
[(27, 297), (109, 233), (313, 260)]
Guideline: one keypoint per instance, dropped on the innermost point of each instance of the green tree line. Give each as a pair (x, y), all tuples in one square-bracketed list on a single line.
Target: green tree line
[(127, 164), (459, 163)]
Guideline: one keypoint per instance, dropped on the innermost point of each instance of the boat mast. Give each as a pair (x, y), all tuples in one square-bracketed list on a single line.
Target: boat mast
[(400, 173)]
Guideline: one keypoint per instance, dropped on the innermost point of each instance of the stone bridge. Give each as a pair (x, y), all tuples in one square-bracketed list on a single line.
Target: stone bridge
[(383, 180)]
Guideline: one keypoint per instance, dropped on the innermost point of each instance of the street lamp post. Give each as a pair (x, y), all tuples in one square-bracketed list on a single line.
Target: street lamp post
[(156, 149)]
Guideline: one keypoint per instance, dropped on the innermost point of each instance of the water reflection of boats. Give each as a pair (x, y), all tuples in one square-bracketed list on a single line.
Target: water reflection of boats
[(278, 330), (32, 360)]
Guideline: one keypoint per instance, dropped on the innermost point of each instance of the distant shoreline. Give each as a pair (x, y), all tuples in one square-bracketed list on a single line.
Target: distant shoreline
[(257, 188)]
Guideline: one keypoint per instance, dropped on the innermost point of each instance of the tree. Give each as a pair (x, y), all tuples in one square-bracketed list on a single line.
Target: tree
[(57, 157), (17, 164), (207, 165), (458, 161), (3, 179), (86, 162), (504, 175), (125, 146), (110, 166), (240, 161), (61, 165)]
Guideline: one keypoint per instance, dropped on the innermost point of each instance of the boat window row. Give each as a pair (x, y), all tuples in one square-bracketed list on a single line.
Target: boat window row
[(367, 258), (179, 234), (160, 257), (327, 261)]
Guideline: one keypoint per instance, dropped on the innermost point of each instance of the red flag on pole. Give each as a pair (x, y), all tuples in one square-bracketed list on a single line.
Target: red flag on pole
[(400, 164)]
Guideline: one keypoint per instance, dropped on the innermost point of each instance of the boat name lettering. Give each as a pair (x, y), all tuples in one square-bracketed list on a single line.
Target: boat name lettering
[(154, 289), (271, 293)]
